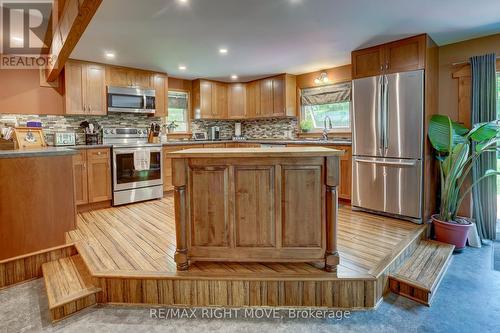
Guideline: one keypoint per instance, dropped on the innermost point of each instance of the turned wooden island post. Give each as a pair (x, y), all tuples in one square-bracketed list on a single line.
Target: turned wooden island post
[(256, 205)]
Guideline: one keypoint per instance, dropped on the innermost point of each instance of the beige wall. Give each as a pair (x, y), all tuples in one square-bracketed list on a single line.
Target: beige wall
[(462, 51), (20, 92)]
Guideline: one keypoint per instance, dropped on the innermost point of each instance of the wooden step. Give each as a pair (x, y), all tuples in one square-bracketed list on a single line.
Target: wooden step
[(419, 277), (74, 236), (69, 286)]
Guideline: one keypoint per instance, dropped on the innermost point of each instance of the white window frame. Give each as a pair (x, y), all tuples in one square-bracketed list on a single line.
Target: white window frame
[(333, 130), (187, 114)]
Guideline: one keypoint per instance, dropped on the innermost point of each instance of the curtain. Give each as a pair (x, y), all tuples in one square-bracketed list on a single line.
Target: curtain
[(335, 93), (177, 100), (483, 107)]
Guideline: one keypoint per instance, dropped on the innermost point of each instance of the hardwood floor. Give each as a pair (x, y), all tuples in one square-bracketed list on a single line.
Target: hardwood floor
[(139, 240)]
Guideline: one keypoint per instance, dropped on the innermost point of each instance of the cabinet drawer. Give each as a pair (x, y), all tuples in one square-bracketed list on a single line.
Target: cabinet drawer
[(99, 153)]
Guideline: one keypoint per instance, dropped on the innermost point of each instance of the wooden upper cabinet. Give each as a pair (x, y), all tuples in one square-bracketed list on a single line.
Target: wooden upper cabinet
[(400, 56), (85, 88), (237, 101), (128, 77), (405, 55), (266, 98), (270, 97), (219, 100), (141, 79), (253, 99), (74, 81), (160, 85), (278, 96), (95, 92), (209, 100), (99, 175), (367, 62)]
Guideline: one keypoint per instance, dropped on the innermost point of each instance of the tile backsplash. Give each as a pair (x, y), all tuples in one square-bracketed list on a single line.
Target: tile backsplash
[(51, 123), (273, 128)]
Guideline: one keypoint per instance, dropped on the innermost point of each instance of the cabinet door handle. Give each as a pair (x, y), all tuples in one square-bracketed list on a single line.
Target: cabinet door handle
[(387, 65), (381, 68)]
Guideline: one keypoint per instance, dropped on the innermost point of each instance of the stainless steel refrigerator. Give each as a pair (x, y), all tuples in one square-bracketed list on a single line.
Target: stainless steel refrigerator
[(388, 120)]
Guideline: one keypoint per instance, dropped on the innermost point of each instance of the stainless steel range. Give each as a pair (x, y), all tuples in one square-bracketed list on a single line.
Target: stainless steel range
[(137, 165)]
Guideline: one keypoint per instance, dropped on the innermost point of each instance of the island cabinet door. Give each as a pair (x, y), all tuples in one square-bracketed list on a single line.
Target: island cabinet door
[(254, 206), (302, 206), (209, 207)]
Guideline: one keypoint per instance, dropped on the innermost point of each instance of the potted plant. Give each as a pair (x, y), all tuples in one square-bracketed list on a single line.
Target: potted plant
[(456, 155), (306, 125)]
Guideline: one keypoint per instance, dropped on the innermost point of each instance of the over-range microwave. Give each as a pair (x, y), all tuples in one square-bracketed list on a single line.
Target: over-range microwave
[(131, 100)]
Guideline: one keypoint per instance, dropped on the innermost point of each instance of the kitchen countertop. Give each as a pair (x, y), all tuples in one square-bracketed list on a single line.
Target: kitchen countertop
[(47, 151), (69, 150), (256, 152), (264, 141)]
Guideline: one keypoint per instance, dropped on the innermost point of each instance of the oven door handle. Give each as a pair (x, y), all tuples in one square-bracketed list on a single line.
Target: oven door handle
[(131, 151)]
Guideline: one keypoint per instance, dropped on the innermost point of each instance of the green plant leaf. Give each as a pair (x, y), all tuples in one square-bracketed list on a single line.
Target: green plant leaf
[(441, 133), (484, 131), (460, 129)]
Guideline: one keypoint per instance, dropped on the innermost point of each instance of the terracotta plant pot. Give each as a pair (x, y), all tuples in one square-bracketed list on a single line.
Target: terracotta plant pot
[(451, 233)]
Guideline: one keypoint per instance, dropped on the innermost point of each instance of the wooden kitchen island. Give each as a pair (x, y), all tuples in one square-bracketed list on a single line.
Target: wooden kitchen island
[(256, 205)]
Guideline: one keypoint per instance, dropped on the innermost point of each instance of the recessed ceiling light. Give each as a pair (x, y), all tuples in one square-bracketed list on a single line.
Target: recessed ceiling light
[(234, 77), (110, 55), (182, 68), (223, 51), (182, 1)]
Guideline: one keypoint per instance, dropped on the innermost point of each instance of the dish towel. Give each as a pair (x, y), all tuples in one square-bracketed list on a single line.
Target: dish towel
[(142, 160)]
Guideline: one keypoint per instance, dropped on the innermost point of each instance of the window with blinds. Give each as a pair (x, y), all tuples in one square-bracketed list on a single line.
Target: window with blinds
[(333, 101), (178, 108)]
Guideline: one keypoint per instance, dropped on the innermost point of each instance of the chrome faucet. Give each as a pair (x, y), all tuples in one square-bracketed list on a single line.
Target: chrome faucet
[(325, 129)]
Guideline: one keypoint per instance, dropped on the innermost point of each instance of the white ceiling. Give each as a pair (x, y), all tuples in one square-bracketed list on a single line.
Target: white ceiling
[(269, 36)]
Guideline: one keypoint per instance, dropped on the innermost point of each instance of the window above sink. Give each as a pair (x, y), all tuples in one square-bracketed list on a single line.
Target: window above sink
[(330, 101)]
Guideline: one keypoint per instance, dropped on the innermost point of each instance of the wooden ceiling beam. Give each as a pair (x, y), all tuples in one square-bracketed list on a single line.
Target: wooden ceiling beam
[(73, 21)]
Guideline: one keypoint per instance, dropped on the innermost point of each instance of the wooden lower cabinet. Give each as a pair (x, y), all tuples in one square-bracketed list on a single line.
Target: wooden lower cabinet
[(80, 177), (345, 173), (92, 176)]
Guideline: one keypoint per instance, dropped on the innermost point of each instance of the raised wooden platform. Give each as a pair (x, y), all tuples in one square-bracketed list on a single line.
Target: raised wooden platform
[(129, 251), (419, 277)]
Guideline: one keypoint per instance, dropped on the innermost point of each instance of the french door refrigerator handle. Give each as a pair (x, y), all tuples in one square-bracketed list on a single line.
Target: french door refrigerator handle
[(388, 163), (380, 112), (385, 111)]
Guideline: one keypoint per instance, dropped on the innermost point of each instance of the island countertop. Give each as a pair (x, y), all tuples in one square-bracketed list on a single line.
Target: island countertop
[(256, 152)]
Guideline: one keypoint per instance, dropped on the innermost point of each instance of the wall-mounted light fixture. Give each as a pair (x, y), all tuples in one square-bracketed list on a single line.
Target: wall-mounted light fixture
[(322, 79)]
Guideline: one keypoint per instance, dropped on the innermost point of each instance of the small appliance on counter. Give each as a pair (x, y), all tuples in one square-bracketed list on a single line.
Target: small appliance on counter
[(237, 133), (64, 139), (200, 136), (214, 133)]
